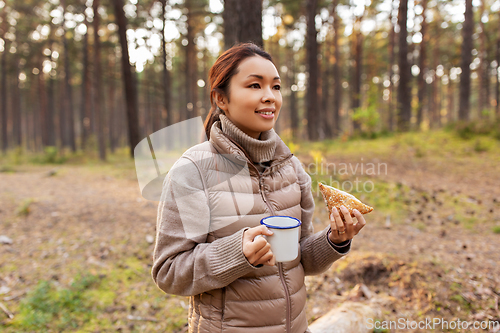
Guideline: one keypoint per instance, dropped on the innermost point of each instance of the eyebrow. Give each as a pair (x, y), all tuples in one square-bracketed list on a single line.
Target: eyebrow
[(262, 78)]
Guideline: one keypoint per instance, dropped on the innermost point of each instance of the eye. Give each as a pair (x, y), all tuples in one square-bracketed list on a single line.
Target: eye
[(254, 85), (277, 87)]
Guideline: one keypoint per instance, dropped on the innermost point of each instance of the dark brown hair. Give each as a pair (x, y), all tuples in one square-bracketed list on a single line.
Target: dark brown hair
[(224, 68)]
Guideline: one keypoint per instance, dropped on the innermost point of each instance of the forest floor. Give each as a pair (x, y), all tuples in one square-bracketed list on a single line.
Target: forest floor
[(82, 236)]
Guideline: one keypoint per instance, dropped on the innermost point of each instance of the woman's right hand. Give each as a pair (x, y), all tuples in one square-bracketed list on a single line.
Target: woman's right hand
[(258, 250)]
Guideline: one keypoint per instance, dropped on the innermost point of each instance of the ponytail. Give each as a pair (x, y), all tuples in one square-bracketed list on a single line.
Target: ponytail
[(212, 117)]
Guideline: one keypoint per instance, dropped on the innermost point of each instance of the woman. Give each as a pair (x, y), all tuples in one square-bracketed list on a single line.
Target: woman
[(214, 198)]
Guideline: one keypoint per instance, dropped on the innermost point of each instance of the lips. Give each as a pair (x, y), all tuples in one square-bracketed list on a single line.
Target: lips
[(266, 111)]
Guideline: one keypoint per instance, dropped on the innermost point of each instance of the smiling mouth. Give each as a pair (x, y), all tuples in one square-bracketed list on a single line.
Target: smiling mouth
[(267, 112)]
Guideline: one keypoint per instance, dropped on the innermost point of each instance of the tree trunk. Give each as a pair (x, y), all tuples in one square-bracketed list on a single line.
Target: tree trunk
[(497, 94), (3, 84), (61, 121), (358, 69), (50, 104), (392, 43), (337, 76), (294, 114), (451, 105), (68, 91), (467, 31), (251, 23), (231, 24), (36, 112), (18, 114), (85, 111), (112, 126), (312, 111), (99, 112), (404, 92), (325, 76), (43, 110), (167, 104), (191, 64), (33, 120), (242, 22), (434, 110), (144, 111), (128, 78), (205, 97), (482, 69), (422, 65), (63, 127)]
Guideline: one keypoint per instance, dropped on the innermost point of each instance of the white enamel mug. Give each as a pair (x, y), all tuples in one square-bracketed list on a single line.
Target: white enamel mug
[(285, 239)]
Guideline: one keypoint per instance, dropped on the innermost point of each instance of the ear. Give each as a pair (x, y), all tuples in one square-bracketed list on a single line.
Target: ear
[(220, 101)]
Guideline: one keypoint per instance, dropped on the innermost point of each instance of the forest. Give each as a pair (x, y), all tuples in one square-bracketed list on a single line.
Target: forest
[(393, 101), (98, 75)]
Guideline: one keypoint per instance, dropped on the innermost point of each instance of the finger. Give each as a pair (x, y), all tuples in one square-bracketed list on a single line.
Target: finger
[(260, 252), (266, 259), (333, 224), (272, 261), (347, 217), (338, 221), (250, 234), (251, 247), (361, 221)]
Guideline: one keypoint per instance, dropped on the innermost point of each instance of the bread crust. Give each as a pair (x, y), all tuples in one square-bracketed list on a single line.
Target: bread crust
[(335, 198)]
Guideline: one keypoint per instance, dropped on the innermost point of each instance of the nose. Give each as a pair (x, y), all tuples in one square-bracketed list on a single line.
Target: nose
[(268, 95)]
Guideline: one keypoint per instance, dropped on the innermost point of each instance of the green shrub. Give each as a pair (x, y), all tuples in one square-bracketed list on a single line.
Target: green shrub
[(481, 146), (470, 129), (369, 118), (18, 155), (46, 306), (51, 155), (496, 229)]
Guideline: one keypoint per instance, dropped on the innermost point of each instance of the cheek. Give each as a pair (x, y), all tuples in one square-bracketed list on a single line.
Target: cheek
[(279, 98)]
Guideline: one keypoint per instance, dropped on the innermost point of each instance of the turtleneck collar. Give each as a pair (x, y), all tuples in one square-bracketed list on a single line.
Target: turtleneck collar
[(260, 150)]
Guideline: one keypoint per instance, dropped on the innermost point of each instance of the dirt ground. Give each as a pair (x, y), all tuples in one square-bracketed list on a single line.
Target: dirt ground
[(427, 265), (66, 220)]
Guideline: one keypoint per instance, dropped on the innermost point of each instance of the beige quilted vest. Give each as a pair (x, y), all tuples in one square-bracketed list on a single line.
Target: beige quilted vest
[(270, 299)]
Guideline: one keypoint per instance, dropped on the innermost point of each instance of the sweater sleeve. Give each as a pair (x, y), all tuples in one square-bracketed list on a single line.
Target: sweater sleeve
[(316, 251), (183, 262)]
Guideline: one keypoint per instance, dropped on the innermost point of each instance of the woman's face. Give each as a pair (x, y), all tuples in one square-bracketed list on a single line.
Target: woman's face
[(254, 96)]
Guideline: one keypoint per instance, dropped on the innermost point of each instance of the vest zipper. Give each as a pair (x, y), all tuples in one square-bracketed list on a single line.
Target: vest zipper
[(280, 265), (223, 308), (287, 297), (263, 194)]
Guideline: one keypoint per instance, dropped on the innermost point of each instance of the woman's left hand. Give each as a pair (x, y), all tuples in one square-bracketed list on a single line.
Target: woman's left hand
[(343, 231)]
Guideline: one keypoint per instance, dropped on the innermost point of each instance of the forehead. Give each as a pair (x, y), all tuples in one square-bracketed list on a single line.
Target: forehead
[(258, 66)]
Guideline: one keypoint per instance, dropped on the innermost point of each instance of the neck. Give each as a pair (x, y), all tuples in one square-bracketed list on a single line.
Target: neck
[(260, 149)]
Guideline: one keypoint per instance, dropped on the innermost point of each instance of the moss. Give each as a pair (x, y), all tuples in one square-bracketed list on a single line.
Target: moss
[(461, 301)]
